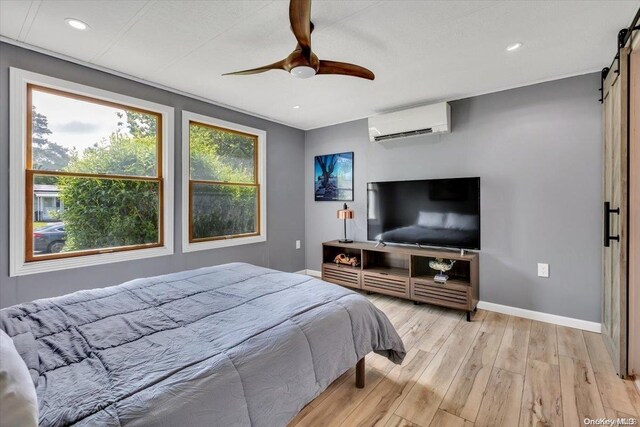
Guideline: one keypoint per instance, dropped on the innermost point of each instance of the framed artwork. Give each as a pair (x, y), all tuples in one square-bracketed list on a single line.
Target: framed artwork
[(333, 177)]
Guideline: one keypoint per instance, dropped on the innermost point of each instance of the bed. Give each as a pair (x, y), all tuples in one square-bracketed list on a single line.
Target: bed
[(230, 345)]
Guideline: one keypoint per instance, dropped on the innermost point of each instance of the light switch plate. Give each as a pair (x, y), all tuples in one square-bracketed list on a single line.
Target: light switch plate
[(297, 244), (543, 270)]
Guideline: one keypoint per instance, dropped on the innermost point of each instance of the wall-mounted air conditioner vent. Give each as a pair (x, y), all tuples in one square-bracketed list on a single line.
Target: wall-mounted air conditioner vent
[(403, 134), (427, 119)]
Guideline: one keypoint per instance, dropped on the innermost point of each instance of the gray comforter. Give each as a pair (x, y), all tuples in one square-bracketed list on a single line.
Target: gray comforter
[(232, 345)]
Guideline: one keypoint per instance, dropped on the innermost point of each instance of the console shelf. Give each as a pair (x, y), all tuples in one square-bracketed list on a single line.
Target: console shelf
[(404, 272)]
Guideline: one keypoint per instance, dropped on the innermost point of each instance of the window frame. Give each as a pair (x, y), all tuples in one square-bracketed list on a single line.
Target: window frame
[(260, 163), (22, 263)]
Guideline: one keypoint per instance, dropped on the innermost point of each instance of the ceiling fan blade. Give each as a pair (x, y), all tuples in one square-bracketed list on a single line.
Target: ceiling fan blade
[(333, 67), (275, 66), (300, 17)]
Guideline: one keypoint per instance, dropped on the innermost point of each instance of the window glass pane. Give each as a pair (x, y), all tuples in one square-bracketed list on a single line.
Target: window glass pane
[(80, 136), (220, 155), (93, 213), (223, 210)]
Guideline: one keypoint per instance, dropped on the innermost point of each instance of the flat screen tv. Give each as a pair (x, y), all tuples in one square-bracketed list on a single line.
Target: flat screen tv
[(433, 212)]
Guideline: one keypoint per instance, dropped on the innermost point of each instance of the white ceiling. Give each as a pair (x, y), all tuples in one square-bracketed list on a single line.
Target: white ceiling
[(420, 51)]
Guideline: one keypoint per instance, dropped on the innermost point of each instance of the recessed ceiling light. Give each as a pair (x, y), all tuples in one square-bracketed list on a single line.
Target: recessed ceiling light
[(77, 24), (514, 46), (295, 107)]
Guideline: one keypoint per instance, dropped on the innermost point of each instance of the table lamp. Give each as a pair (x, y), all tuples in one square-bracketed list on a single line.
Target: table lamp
[(344, 214)]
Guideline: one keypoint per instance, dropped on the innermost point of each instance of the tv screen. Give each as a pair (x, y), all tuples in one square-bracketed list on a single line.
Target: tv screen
[(434, 212)]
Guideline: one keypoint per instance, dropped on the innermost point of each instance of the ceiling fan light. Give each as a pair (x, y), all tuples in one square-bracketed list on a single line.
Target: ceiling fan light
[(303, 72)]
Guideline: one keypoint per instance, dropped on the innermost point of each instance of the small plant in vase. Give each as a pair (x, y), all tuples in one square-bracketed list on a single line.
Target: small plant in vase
[(440, 265)]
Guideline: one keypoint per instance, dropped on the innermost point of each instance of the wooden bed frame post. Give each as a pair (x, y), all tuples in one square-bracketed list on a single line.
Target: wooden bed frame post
[(360, 373)]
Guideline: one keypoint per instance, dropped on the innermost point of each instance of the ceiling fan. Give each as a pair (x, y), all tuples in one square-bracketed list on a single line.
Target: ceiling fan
[(302, 62)]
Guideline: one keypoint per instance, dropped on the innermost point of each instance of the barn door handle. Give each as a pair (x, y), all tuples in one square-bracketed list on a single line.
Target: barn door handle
[(607, 224)]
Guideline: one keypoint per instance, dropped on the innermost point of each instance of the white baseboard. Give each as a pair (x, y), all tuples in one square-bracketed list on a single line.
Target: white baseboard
[(542, 317), (314, 273)]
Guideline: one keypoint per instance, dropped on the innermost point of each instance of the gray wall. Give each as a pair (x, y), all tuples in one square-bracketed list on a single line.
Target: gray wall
[(537, 150), (285, 190)]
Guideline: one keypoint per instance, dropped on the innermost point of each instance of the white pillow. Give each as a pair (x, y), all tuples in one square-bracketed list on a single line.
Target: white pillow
[(463, 222), (431, 219), (18, 401)]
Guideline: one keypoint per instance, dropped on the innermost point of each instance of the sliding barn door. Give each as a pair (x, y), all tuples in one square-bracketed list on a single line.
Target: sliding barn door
[(614, 256), (634, 207)]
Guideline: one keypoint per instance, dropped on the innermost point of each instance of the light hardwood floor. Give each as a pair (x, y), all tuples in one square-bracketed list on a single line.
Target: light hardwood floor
[(497, 370)]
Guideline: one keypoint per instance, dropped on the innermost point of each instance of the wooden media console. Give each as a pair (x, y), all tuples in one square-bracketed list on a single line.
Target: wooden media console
[(404, 272)]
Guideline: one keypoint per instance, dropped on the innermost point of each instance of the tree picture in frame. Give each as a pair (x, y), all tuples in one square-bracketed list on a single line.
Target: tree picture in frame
[(333, 177)]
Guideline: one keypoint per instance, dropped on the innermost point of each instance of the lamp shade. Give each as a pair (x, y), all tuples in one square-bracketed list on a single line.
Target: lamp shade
[(345, 213)]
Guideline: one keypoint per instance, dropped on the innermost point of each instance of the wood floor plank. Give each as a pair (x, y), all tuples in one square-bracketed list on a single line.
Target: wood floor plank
[(502, 400), (401, 312), (512, 355), (343, 400), (380, 363), (413, 330), (613, 414), (303, 413), (467, 389), (541, 398), (391, 307), (618, 394), (378, 407), (472, 327), (495, 323), (580, 396), (543, 343), (348, 375), (388, 305), (437, 333), (396, 421), (422, 402), (571, 343), (411, 325), (445, 419), (598, 354)]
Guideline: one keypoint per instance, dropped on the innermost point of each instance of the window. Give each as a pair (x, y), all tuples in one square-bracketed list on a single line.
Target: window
[(223, 180), (92, 184)]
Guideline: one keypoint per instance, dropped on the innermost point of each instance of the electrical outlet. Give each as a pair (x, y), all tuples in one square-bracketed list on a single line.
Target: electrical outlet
[(543, 270), (297, 244)]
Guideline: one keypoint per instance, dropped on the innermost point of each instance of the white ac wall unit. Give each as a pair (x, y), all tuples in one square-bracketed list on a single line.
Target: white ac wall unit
[(434, 118)]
